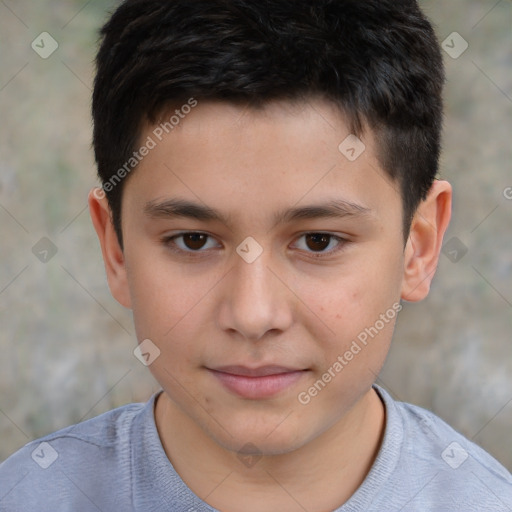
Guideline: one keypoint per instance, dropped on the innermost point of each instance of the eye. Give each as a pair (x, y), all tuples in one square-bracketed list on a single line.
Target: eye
[(320, 241), (193, 241)]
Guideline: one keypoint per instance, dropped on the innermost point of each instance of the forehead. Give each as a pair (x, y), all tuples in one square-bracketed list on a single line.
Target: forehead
[(235, 159)]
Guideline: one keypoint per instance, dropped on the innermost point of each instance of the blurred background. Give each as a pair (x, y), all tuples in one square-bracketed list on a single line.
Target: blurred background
[(66, 346)]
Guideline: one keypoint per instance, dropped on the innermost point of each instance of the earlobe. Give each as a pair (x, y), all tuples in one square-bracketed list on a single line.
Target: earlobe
[(113, 256), (425, 241)]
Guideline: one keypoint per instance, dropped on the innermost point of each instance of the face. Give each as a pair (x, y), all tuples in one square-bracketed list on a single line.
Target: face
[(272, 301)]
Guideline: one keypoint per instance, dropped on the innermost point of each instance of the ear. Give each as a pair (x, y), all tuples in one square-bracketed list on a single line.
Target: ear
[(425, 241), (112, 253)]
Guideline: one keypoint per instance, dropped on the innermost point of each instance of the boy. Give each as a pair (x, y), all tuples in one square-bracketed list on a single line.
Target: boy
[(269, 197)]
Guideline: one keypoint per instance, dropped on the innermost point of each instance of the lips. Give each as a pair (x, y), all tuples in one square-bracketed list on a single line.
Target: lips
[(257, 383), (262, 371)]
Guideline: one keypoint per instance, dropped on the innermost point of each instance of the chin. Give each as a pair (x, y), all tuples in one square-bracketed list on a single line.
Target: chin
[(251, 445), (271, 438)]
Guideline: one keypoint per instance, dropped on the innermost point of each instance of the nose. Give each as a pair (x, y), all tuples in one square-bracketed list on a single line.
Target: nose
[(256, 299)]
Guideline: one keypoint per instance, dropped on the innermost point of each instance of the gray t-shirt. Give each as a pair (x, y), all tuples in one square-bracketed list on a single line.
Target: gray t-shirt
[(116, 462)]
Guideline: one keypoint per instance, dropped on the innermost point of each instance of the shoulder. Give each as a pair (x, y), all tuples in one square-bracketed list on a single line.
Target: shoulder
[(443, 469), (73, 468), (437, 441)]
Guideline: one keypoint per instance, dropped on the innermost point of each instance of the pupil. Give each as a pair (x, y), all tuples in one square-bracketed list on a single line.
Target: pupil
[(194, 238), (318, 238)]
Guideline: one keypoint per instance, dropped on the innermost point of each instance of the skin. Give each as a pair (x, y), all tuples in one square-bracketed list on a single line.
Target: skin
[(288, 307)]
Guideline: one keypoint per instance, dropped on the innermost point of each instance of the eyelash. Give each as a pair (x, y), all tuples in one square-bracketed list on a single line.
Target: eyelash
[(168, 241)]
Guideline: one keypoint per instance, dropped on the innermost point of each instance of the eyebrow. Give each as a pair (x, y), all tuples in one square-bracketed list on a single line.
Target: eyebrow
[(183, 208)]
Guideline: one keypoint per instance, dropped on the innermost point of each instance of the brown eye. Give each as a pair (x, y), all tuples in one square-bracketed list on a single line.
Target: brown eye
[(316, 244), (194, 241), (317, 241), (191, 243)]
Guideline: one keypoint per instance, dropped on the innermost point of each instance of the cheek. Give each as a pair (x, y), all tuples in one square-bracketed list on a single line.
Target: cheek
[(350, 301), (170, 307), (356, 313), (161, 293)]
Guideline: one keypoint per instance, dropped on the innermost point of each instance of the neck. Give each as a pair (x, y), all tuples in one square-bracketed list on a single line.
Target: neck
[(321, 475)]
